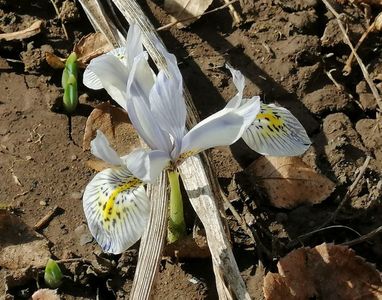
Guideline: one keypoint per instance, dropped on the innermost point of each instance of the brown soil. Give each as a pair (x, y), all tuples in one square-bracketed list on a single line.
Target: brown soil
[(284, 48)]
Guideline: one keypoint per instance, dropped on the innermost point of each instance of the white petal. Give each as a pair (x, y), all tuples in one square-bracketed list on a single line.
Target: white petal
[(239, 82), (221, 129), (113, 76), (120, 53), (116, 208), (100, 147), (91, 80), (276, 132), (146, 165), (167, 102), (141, 116)]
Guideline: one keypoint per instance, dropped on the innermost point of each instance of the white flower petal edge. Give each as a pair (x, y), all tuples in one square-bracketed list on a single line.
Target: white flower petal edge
[(116, 208), (146, 164), (222, 128), (100, 147), (239, 82), (276, 132)]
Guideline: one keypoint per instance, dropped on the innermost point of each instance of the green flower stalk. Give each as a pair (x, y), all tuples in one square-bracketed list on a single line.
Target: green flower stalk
[(69, 84), (52, 275), (176, 224)]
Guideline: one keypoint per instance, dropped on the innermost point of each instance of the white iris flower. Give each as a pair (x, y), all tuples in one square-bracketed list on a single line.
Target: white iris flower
[(115, 202)]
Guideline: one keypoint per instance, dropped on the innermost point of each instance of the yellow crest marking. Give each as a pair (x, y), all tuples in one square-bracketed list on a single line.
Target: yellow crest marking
[(109, 209)]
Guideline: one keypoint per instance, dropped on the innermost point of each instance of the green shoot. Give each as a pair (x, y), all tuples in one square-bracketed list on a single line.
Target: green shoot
[(52, 274), (176, 224)]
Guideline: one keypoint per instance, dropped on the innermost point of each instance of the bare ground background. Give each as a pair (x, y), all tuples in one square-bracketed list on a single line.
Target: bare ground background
[(284, 49)]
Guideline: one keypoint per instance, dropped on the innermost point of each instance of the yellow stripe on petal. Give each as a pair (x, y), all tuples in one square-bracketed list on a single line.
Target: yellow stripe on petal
[(117, 209), (276, 132)]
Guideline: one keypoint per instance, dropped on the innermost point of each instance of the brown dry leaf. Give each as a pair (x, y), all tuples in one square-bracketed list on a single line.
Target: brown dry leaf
[(91, 46), (115, 124), (54, 61), (187, 10), (289, 181), (45, 294), (97, 164), (325, 272), (32, 30)]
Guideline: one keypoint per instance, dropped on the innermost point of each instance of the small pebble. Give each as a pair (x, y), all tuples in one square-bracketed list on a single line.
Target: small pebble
[(73, 157), (43, 203), (76, 195)]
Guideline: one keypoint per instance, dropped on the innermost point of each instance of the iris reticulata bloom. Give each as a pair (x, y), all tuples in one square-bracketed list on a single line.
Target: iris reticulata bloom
[(115, 203)]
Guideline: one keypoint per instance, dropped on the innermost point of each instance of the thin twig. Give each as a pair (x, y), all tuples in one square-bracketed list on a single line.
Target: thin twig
[(235, 15), (347, 68), (363, 238), (304, 236), (361, 64), (349, 192), (59, 16), (195, 17), (46, 219)]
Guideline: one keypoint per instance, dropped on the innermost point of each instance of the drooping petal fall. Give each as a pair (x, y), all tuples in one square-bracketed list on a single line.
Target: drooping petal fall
[(221, 129), (116, 208), (146, 164), (101, 148), (276, 132)]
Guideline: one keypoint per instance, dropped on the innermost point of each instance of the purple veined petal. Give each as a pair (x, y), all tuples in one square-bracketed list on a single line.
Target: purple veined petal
[(116, 208), (101, 148), (112, 74), (239, 82), (276, 132), (167, 104), (221, 129), (145, 164), (141, 117)]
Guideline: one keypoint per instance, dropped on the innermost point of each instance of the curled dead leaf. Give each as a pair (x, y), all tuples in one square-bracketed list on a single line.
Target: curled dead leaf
[(32, 30), (54, 61), (115, 124), (186, 11), (325, 272), (91, 46), (289, 182)]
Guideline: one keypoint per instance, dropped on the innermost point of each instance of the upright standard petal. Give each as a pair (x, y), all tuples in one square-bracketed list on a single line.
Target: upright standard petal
[(112, 74), (101, 148), (239, 82), (167, 102), (146, 164), (133, 44), (276, 132), (116, 208), (220, 129), (141, 116)]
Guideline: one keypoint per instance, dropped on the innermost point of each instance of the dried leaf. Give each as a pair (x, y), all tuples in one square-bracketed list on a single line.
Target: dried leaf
[(90, 46), (54, 61), (45, 294), (325, 272), (97, 165), (185, 10), (32, 30), (289, 181), (115, 124)]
